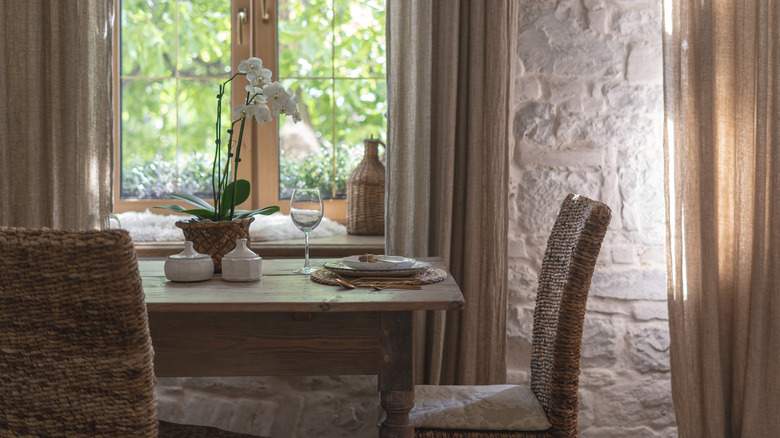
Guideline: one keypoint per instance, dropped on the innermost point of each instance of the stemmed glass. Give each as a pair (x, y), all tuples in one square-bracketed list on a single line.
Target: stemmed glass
[(306, 214)]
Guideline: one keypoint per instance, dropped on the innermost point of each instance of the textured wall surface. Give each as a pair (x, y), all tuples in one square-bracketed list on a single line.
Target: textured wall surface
[(588, 120)]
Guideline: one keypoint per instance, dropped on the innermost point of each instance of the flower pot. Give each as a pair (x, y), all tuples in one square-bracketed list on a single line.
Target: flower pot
[(215, 238)]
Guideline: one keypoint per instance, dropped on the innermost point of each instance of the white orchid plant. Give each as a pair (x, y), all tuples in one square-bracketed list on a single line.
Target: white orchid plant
[(264, 100)]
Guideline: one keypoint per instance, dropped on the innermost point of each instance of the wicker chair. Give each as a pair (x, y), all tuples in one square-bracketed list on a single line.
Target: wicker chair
[(551, 402), (75, 351)]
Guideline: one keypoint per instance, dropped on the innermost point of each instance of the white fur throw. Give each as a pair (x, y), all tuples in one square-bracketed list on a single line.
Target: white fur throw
[(152, 227)]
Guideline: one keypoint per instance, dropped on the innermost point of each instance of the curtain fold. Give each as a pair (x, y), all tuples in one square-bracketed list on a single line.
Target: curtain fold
[(450, 76), (722, 143), (56, 138)]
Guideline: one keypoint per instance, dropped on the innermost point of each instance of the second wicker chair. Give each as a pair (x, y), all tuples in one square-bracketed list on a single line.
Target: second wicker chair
[(75, 352), (549, 407)]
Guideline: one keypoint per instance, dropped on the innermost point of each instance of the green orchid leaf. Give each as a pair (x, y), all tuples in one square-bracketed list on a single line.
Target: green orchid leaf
[(200, 213), (242, 189), (194, 200), (243, 214), (176, 208)]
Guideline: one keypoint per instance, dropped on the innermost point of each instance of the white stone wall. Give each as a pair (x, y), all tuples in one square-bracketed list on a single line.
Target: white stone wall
[(588, 119)]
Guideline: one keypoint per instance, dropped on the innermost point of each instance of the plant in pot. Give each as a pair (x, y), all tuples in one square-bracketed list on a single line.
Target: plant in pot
[(216, 228)]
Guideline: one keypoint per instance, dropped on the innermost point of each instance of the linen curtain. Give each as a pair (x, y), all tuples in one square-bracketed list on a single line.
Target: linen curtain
[(722, 144), (450, 75), (55, 112)]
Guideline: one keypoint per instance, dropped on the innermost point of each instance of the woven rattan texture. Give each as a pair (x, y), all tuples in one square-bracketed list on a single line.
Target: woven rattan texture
[(428, 276), (75, 353), (215, 238), (564, 283), (366, 194)]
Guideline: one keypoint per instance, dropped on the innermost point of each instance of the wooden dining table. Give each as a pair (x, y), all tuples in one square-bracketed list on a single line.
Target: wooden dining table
[(288, 325)]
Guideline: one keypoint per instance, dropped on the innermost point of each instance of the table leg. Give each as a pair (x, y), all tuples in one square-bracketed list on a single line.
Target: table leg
[(396, 380)]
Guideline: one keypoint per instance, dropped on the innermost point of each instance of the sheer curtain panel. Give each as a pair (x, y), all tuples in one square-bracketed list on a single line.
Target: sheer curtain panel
[(55, 111), (722, 140), (450, 81)]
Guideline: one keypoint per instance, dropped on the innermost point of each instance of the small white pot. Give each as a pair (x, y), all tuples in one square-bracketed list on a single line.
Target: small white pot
[(242, 264), (189, 265)]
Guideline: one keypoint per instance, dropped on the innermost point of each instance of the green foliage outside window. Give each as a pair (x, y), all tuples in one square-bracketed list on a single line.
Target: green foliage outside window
[(174, 55)]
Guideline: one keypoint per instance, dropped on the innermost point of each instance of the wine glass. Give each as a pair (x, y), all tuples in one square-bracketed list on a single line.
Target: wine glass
[(306, 214), (102, 221)]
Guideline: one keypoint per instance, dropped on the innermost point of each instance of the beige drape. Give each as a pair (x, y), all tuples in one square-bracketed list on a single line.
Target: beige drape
[(450, 81), (55, 111), (722, 71)]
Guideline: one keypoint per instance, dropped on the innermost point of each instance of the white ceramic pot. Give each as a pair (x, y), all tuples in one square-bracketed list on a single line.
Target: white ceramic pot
[(189, 265), (242, 264)]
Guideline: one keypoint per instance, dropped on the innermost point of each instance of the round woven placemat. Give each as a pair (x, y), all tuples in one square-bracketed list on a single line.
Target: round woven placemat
[(428, 276)]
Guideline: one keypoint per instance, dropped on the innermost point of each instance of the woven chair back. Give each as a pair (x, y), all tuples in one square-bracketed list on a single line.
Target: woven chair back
[(564, 282), (75, 351)]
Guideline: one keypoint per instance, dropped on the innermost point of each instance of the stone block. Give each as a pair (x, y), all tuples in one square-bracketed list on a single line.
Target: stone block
[(641, 22), (623, 404), (599, 340), (570, 159), (629, 284), (594, 4), (522, 280), (516, 248), (629, 132), (640, 173), (623, 255), (567, 93), (535, 121), (645, 63), (634, 98), (649, 347), (655, 255), (561, 48), (598, 21), (595, 379), (542, 192), (607, 306), (518, 352), (650, 310), (528, 88)]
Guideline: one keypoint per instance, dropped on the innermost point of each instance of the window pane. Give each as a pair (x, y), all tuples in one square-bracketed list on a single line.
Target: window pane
[(175, 53), (352, 71), (204, 38), (359, 39), (305, 38), (148, 33), (148, 137), (306, 148)]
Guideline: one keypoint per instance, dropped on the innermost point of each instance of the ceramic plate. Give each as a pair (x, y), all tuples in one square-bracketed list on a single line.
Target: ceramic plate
[(382, 263), (340, 268)]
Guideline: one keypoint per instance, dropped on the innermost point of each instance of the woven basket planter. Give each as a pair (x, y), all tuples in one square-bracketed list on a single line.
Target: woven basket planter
[(366, 194), (215, 238)]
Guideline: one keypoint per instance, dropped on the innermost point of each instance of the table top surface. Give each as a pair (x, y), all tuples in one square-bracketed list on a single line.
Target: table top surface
[(280, 290)]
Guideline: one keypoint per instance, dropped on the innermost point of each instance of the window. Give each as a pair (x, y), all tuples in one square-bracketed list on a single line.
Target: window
[(172, 55)]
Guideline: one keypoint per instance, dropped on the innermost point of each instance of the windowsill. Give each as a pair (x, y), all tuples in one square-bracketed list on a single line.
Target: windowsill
[(335, 246)]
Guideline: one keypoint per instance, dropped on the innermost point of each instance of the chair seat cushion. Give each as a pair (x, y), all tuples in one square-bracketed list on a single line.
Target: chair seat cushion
[(175, 430), (482, 407)]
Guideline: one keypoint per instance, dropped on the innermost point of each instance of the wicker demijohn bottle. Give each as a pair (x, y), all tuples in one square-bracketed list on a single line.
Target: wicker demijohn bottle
[(366, 193)]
